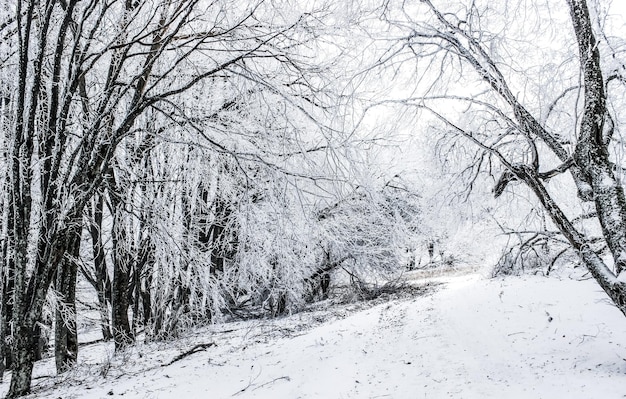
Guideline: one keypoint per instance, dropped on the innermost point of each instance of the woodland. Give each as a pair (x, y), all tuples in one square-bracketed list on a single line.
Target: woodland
[(173, 164)]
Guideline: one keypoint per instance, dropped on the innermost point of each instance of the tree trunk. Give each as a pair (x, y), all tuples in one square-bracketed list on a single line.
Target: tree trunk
[(6, 304), (223, 242), (122, 271), (23, 349), (146, 301), (66, 336), (29, 297), (122, 332), (102, 281), (24, 360), (592, 148), (143, 279), (6, 313)]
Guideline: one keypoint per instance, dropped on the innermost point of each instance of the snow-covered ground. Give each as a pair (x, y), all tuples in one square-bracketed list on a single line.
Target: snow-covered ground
[(520, 337)]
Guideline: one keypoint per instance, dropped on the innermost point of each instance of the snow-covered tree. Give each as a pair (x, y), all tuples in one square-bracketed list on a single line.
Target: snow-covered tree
[(83, 75), (504, 79)]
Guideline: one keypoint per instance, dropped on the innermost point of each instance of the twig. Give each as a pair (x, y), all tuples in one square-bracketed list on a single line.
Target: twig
[(285, 377), (250, 383), (191, 351)]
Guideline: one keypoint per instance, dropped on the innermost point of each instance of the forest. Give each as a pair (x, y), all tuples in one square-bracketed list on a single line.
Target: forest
[(168, 165)]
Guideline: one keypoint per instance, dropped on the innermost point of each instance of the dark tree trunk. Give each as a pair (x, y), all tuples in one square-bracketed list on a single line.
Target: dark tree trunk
[(23, 343), (122, 268), (102, 282), (143, 280), (217, 255), (222, 241), (318, 283), (29, 298), (66, 336), (146, 301), (41, 340), (122, 332), (278, 304), (24, 359), (6, 313), (7, 270)]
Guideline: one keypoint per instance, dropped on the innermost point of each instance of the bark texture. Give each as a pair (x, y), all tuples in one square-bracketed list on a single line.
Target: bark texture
[(66, 336)]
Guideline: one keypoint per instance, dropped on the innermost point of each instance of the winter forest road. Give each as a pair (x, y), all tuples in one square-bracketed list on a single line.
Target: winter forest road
[(527, 337)]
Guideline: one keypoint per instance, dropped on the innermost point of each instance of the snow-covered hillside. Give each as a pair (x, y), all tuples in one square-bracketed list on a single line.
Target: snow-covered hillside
[(521, 337)]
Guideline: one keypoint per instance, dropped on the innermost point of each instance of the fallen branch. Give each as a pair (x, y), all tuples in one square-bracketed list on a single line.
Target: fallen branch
[(191, 351), (285, 377), (96, 341), (250, 383)]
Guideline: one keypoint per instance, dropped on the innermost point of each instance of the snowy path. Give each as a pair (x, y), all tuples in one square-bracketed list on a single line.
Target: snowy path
[(524, 337)]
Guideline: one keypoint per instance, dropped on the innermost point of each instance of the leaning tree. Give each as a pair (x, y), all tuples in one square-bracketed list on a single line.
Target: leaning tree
[(504, 79)]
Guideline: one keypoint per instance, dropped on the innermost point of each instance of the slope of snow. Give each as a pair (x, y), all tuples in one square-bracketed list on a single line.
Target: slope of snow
[(523, 337)]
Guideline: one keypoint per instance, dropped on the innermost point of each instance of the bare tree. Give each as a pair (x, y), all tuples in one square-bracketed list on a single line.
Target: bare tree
[(186, 134), (475, 81), (84, 73)]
